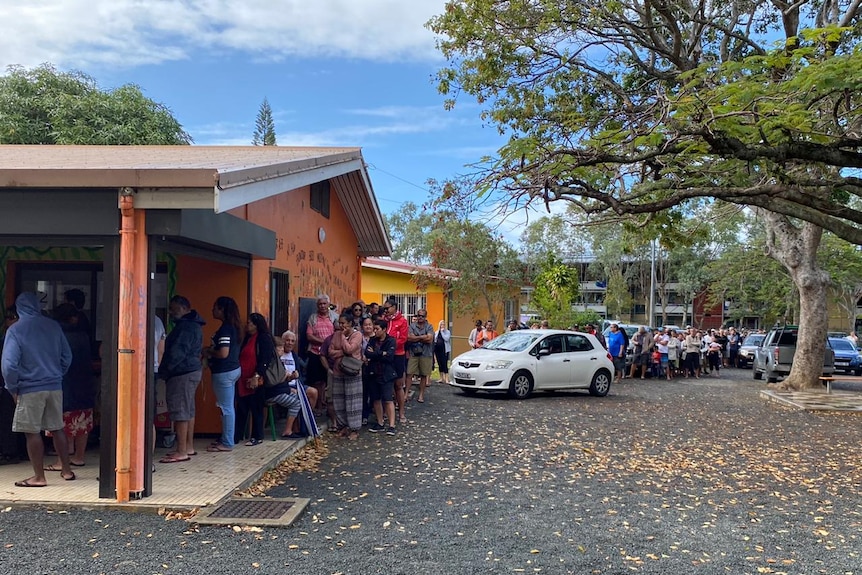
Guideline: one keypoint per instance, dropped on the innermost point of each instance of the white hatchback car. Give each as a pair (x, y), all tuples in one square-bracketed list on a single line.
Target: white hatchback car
[(528, 360)]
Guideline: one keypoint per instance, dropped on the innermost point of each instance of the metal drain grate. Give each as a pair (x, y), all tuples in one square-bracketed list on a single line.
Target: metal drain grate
[(253, 509), (271, 512)]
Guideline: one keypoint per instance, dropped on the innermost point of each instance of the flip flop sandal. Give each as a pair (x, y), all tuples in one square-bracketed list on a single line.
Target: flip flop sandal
[(218, 448), (52, 467), (168, 459), (72, 478), (26, 483)]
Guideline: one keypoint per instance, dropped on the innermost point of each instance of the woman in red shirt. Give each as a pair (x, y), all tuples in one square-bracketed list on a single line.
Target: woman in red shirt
[(255, 355)]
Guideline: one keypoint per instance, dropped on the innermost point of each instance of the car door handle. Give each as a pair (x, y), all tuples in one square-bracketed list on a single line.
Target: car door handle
[(594, 359), (566, 360)]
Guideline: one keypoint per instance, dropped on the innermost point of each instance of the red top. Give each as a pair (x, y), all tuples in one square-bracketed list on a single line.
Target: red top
[(247, 364), (398, 330)]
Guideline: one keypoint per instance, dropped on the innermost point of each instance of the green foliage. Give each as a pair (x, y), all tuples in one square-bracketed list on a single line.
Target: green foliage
[(647, 121), (487, 269), (555, 289), (554, 234), (264, 126), (618, 297), (45, 106), (755, 284), (843, 262), (410, 230), (582, 318)]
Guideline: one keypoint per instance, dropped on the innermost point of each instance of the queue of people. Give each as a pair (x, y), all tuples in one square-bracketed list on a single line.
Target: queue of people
[(358, 369), (669, 353)]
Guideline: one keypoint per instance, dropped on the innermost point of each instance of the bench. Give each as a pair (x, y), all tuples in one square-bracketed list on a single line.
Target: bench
[(828, 379)]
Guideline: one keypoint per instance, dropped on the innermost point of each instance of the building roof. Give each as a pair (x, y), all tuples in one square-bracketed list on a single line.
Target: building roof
[(212, 177), (407, 268)]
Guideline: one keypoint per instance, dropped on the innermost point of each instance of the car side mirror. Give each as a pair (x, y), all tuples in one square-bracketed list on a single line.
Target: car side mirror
[(543, 351)]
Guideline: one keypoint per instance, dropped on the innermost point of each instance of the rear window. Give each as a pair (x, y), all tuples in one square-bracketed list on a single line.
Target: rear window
[(787, 338), (841, 344), (754, 339)]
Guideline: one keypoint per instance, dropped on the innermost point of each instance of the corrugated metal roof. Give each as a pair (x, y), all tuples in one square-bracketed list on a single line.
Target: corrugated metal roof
[(405, 267), (233, 174)]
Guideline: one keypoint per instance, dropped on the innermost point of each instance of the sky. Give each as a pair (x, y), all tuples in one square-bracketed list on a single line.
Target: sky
[(335, 72)]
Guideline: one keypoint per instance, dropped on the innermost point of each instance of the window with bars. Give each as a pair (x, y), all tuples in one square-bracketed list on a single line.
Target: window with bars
[(279, 308), (408, 303)]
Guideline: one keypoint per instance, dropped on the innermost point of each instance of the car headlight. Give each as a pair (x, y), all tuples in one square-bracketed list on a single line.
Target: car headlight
[(499, 364)]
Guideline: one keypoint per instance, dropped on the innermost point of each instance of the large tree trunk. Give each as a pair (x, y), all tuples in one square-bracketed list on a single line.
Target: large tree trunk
[(795, 247)]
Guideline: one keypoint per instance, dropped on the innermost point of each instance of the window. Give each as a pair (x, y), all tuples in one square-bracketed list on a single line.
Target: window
[(320, 198), (554, 344), (279, 305), (578, 343), (511, 310), (409, 304)]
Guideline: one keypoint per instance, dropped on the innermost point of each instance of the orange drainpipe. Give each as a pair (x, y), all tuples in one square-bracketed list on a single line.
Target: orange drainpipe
[(359, 278), (138, 389), (125, 351)]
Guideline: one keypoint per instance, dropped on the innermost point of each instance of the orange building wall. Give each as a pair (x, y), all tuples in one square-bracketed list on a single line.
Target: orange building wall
[(330, 267), (202, 281)]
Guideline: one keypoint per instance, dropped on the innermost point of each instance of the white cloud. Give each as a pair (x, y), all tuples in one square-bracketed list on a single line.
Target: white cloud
[(365, 135), (82, 33), (395, 111)]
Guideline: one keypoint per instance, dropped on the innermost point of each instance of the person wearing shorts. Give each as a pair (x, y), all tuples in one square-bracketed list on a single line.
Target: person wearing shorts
[(380, 353), (617, 349), (420, 337), (398, 329), (79, 386), (36, 355), (181, 369)]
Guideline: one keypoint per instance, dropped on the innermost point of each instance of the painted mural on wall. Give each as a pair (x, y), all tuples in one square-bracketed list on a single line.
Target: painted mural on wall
[(314, 272), (32, 254)]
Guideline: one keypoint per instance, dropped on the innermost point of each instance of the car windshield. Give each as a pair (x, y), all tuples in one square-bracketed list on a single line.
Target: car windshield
[(841, 344), (513, 340), (754, 339)]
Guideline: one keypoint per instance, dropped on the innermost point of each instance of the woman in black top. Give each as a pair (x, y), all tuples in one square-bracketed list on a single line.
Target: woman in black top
[(223, 356)]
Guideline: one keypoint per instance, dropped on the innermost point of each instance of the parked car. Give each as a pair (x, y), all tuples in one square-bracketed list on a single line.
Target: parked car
[(745, 356), (847, 358), (774, 357), (523, 361)]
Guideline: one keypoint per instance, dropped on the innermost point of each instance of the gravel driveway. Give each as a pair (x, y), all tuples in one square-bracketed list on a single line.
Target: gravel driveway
[(693, 476)]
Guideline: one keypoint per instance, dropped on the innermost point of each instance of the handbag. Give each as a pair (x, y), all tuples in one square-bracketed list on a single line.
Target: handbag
[(350, 365), (275, 373)]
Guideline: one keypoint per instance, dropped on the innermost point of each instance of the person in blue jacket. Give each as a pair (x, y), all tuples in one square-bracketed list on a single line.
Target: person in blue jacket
[(36, 355)]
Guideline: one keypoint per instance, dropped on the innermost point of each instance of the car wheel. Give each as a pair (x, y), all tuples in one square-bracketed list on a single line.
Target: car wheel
[(858, 372), (757, 374), (468, 391), (521, 385), (601, 384)]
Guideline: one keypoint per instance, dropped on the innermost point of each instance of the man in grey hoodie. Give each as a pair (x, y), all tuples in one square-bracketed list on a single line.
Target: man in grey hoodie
[(36, 355)]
